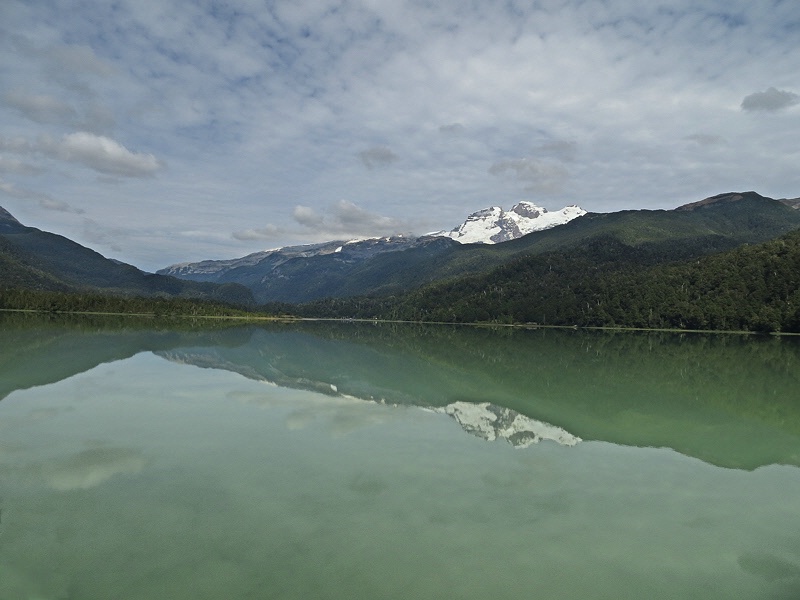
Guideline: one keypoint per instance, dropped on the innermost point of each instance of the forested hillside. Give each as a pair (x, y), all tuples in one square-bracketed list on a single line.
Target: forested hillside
[(75, 301), (31, 259), (608, 283)]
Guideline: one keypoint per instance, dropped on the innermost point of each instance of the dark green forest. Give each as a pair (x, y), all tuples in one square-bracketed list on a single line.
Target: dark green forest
[(607, 283), (604, 283), (96, 302)]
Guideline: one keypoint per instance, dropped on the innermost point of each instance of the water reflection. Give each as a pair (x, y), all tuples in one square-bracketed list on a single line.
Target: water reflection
[(491, 422), (91, 467), (146, 477), (732, 401)]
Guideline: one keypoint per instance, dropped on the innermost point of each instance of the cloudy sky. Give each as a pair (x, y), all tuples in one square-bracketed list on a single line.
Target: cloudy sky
[(161, 131)]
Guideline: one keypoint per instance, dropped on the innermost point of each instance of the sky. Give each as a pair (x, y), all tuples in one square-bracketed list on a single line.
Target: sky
[(165, 131)]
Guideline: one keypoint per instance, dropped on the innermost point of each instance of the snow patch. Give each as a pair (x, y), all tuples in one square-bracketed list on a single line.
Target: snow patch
[(494, 225)]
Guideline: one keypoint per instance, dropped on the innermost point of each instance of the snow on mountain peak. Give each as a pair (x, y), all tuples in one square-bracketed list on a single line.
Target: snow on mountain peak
[(493, 225)]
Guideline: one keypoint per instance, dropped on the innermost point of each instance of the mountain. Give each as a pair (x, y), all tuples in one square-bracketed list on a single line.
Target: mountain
[(300, 273), (488, 226), (7, 222), (791, 202), (252, 269), (35, 259), (338, 268), (605, 282), (494, 225), (397, 265)]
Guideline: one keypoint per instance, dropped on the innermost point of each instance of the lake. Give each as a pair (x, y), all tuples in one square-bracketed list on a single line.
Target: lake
[(346, 460)]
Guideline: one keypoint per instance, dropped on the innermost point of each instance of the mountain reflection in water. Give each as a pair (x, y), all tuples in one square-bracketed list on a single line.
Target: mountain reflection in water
[(729, 400), (329, 460)]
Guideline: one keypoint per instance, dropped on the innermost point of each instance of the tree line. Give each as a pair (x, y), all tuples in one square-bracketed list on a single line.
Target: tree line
[(602, 283), (607, 283), (95, 302)]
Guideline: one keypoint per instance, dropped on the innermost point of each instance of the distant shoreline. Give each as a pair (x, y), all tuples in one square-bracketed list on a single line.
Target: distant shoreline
[(478, 324)]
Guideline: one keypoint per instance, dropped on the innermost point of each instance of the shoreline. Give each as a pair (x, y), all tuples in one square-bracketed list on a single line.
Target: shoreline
[(488, 325)]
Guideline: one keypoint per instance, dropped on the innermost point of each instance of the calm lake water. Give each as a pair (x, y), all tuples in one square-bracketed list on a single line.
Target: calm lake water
[(374, 461)]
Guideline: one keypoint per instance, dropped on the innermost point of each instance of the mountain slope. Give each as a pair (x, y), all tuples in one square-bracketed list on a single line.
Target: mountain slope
[(301, 273), (657, 236), (341, 268), (35, 259), (607, 283)]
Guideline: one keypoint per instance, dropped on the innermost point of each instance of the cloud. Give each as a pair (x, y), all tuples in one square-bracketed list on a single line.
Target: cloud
[(539, 175), (377, 156), (76, 59), (96, 152), (306, 216), (44, 201), (342, 219), (404, 103), (40, 108), (771, 100), (96, 119), (349, 217), (105, 155), (13, 165), (264, 233)]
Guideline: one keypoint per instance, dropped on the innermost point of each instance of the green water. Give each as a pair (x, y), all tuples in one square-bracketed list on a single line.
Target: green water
[(317, 461)]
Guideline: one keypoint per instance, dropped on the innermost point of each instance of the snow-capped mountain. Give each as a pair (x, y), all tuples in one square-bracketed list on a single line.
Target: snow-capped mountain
[(341, 268), (488, 226), (494, 225)]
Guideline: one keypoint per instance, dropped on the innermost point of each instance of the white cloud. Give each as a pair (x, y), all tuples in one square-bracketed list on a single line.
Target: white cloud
[(307, 216), (96, 152), (403, 108), (345, 218), (340, 220), (770, 100), (264, 233), (105, 155), (348, 217)]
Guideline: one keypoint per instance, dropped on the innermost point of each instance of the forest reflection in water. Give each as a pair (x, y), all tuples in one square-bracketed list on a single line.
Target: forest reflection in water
[(645, 464)]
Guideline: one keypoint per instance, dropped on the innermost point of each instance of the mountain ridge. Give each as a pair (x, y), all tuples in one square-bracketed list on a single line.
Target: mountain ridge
[(30, 258), (34, 259), (712, 225), (486, 226)]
